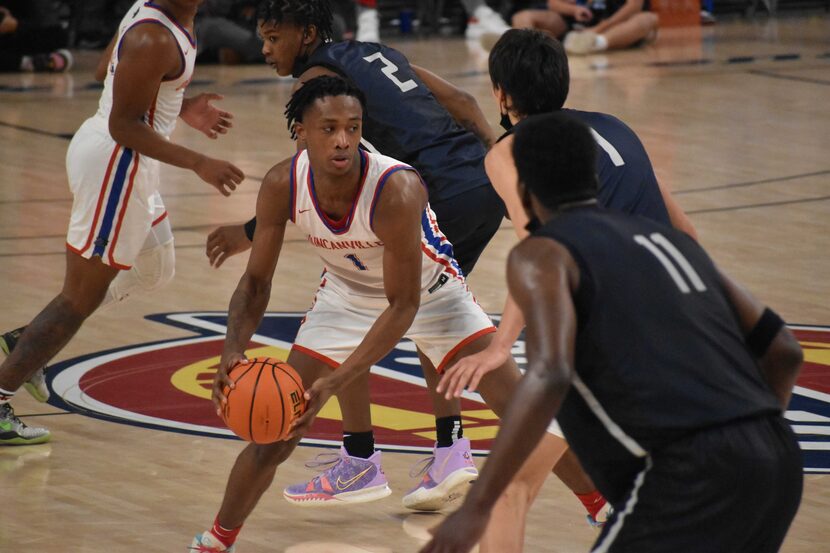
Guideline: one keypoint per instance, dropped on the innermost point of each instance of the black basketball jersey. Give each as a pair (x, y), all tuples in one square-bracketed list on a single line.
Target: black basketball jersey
[(404, 120), (659, 352)]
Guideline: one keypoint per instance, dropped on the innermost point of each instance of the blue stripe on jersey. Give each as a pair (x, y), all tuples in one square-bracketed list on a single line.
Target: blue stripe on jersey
[(112, 203), (434, 241)]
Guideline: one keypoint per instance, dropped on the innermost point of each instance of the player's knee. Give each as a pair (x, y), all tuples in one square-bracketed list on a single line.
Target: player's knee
[(649, 21), (270, 455), (156, 267)]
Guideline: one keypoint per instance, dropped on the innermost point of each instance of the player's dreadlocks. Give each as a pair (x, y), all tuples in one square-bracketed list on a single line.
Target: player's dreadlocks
[(313, 90), (299, 12)]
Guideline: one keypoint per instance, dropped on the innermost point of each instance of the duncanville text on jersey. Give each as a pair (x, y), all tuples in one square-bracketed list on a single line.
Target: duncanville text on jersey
[(327, 244)]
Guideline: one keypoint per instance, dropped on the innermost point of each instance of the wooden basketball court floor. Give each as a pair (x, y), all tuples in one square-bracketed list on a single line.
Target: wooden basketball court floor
[(735, 119)]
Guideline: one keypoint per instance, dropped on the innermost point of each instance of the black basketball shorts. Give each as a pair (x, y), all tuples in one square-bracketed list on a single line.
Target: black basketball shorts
[(730, 489)]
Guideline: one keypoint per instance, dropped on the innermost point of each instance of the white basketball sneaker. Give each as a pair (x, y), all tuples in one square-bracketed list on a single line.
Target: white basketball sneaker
[(206, 542)]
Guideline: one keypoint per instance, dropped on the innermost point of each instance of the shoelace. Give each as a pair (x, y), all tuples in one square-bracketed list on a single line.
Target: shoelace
[(323, 462), (7, 412), (421, 467)]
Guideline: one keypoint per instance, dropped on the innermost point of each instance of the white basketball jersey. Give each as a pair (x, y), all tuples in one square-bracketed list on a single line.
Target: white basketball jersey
[(350, 249), (165, 109)]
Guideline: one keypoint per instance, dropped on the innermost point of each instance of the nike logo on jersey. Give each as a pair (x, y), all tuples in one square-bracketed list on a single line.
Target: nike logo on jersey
[(304, 210), (341, 485)]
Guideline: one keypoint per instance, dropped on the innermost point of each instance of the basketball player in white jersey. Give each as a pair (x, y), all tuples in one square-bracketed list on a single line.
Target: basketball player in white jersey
[(119, 239), (387, 276)]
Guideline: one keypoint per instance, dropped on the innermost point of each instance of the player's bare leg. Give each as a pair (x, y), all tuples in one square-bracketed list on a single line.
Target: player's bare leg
[(253, 472), (85, 284), (639, 26), (355, 405), (544, 20), (502, 534)]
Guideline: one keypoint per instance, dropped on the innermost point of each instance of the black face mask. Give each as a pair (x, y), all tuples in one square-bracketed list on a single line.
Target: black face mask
[(505, 122), (300, 62), (533, 225)]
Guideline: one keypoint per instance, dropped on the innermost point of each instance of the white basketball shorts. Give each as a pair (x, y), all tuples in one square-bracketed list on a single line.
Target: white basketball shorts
[(116, 199), (447, 320)]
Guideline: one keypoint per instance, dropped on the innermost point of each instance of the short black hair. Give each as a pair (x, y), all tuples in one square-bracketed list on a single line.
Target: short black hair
[(299, 12), (316, 88), (532, 68), (555, 155)]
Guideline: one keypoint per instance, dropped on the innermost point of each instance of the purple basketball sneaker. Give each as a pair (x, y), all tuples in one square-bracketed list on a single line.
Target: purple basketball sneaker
[(447, 476), (347, 480)]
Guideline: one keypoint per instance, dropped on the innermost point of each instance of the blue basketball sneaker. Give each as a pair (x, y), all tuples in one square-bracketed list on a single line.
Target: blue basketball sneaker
[(346, 480)]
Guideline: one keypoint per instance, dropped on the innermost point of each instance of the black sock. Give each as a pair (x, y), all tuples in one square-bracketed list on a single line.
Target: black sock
[(449, 430), (359, 444)]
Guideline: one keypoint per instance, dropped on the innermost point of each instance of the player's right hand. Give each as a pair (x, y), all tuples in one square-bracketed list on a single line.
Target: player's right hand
[(224, 242), (221, 380), (468, 371), (224, 176), (583, 14)]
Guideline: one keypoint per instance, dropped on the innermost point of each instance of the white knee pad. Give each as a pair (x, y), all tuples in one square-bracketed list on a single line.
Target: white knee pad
[(153, 268), (156, 267)]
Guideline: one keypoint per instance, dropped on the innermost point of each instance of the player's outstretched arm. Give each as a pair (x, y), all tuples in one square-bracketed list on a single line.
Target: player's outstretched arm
[(250, 299), (461, 104), (541, 276), (149, 53), (397, 222), (468, 372), (778, 353), (200, 114), (229, 240), (677, 216)]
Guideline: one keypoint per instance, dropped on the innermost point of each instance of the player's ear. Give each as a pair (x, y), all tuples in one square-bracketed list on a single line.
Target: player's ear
[(299, 131), (310, 34)]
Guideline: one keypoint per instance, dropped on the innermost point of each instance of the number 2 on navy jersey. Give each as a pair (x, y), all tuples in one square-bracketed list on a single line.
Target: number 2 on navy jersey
[(389, 69), (653, 244)]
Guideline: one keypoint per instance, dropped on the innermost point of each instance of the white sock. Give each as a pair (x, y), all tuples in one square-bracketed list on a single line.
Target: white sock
[(601, 43), (27, 64), (5, 396)]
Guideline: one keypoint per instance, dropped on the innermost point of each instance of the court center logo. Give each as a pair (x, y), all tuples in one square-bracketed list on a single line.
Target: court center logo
[(166, 385)]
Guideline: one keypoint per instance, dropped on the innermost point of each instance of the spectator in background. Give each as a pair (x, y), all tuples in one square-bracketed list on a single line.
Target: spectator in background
[(32, 38), (482, 20), (227, 32), (592, 26)]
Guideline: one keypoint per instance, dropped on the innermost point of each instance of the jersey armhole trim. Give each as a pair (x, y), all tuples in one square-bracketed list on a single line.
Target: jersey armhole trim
[(292, 189), (172, 20), (381, 183), (178, 46)]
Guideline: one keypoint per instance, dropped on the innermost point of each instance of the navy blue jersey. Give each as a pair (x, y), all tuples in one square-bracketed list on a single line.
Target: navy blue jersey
[(403, 119), (659, 351), (626, 177)]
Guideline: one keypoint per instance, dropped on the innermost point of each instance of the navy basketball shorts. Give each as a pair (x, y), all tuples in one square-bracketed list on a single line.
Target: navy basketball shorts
[(469, 221), (730, 489)]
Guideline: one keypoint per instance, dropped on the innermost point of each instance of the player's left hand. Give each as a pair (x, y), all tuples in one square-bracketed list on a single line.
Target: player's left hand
[(315, 397), (468, 371), (458, 533), (202, 116)]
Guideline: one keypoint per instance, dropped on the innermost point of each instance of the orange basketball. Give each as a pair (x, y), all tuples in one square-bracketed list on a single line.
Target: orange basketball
[(267, 398)]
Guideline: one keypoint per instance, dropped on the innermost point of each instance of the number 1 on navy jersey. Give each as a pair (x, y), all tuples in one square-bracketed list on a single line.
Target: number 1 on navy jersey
[(389, 69)]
